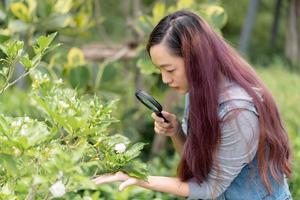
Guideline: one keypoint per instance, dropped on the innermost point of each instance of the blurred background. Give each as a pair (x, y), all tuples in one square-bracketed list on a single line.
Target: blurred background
[(103, 52)]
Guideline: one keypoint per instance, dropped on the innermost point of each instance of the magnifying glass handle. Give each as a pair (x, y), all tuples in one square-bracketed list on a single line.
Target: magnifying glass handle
[(160, 115)]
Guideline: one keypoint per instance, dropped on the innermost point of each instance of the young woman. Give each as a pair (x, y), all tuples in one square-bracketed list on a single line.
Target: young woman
[(232, 141)]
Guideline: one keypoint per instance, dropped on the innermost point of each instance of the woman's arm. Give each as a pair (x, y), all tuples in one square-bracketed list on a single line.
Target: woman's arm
[(171, 185), (178, 141)]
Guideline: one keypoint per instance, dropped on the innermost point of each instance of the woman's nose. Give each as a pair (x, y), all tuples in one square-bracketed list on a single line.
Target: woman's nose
[(166, 78)]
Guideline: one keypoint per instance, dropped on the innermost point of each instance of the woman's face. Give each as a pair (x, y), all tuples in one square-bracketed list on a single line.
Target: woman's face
[(171, 67)]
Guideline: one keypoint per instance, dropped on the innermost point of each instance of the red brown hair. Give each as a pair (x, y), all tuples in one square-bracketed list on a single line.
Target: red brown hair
[(206, 54)]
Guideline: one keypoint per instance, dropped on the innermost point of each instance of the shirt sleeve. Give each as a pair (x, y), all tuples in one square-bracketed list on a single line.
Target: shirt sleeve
[(239, 142), (184, 123)]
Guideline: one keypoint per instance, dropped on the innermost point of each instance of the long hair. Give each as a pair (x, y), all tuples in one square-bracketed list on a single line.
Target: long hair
[(206, 54)]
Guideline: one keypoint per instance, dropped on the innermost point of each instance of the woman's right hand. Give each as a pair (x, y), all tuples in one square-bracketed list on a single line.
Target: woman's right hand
[(170, 128)]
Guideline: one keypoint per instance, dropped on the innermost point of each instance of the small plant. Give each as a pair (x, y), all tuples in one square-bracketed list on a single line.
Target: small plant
[(57, 156)]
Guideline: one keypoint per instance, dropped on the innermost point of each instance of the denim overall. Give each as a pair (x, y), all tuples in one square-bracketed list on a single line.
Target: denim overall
[(247, 185)]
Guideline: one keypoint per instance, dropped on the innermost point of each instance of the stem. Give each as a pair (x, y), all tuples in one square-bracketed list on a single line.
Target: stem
[(16, 80), (31, 193), (47, 196)]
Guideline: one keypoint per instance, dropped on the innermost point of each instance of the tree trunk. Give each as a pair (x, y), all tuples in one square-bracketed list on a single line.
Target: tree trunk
[(292, 49), (248, 24), (276, 18)]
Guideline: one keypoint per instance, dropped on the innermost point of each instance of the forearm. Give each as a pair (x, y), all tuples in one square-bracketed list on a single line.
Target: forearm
[(171, 185), (178, 141)]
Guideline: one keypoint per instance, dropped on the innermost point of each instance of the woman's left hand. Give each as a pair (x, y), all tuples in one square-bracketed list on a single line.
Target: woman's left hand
[(119, 176)]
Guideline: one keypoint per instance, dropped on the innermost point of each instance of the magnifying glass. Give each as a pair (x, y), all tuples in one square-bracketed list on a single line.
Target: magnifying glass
[(150, 103)]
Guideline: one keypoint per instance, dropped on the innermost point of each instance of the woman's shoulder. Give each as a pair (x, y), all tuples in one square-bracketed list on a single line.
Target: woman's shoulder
[(233, 97)]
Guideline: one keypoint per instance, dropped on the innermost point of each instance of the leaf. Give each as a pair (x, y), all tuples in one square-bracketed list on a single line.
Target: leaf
[(20, 10), (216, 15), (45, 41), (57, 21), (32, 5), (134, 150), (158, 12), (3, 124), (147, 67), (12, 48), (79, 77), (75, 57), (8, 163), (63, 6), (26, 61), (184, 4), (4, 38), (82, 19), (136, 169), (37, 132), (3, 80)]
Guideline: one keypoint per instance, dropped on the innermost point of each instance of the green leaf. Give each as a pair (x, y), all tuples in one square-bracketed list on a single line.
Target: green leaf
[(63, 6), (4, 38), (184, 4), (3, 80), (56, 21), (3, 124), (158, 12), (217, 16), (134, 150), (75, 57), (8, 163), (44, 41), (147, 67), (136, 169), (12, 48), (79, 77), (20, 10), (32, 5), (26, 61)]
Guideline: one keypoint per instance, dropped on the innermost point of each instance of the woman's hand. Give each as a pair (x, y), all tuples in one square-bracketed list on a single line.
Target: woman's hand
[(117, 177), (172, 128)]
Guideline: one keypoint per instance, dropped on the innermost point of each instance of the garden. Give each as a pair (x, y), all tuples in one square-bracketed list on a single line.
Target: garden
[(69, 70)]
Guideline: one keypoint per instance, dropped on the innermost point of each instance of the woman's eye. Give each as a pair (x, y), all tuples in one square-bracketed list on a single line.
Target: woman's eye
[(172, 70)]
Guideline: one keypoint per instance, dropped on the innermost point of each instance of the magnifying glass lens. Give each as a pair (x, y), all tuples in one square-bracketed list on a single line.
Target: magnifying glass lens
[(150, 102)]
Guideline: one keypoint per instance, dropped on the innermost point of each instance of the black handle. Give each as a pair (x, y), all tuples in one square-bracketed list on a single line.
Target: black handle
[(161, 115)]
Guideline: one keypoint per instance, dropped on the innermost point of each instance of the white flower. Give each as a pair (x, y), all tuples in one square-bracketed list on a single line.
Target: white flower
[(87, 198), (58, 189), (62, 104), (120, 148), (37, 180), (45, 78), (26, 119), (24, 131), (16, 123), (59, 81)]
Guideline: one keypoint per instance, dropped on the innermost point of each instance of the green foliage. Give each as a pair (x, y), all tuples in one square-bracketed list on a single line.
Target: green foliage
[(67, 148), (285, 88), (13, 51), (31, 15), (211, 11), (57, 136)]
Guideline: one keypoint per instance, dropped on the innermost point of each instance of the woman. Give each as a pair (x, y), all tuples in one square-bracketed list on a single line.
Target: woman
[(232, 141)]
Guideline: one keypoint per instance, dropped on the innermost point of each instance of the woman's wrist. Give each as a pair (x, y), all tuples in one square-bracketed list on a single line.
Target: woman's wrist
[(178, 133)]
